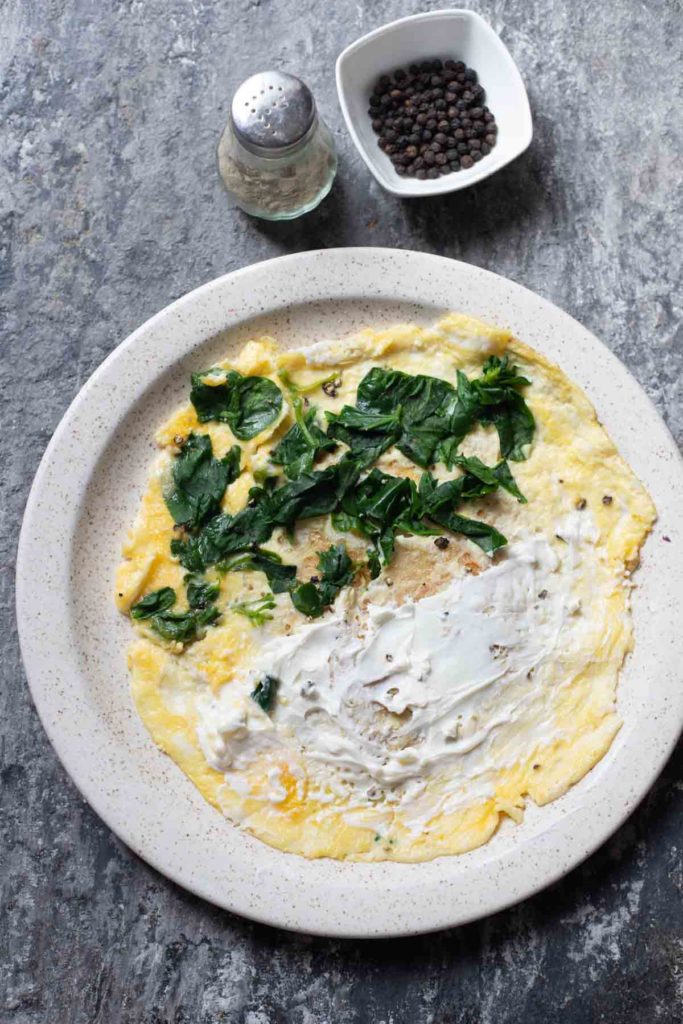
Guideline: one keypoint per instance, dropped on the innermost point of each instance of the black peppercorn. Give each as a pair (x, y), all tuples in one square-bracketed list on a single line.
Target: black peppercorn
[(431, 118)]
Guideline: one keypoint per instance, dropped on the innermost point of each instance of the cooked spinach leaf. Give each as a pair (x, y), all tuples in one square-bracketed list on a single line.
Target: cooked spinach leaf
[(264, 692), (500, 403), (303, 442), (307, 600), (281, 577), (427, 418), (482, 534), (423, 404), (180, 626), (200, 592), (374, 564), (223, 535), (152, 604), (498, 376), (335, 566), (336, 571), (184, 627), (312, 494), (367, 434), (438, 500), (461, 418), (515, 424), (199, 481), (379, 507), (480, 479), (257, 611), (247, 404), (508, 482)]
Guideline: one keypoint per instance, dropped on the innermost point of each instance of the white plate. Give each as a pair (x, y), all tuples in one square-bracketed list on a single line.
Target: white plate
[(73, 641)]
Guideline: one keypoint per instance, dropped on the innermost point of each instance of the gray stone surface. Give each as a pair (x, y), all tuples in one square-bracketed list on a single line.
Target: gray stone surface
[(110, 207)]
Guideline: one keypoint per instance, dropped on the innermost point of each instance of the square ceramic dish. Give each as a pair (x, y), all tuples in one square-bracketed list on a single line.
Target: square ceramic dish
[(458, 35)]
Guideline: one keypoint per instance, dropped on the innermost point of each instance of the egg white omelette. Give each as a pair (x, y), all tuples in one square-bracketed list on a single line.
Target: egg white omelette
[(398, 715)]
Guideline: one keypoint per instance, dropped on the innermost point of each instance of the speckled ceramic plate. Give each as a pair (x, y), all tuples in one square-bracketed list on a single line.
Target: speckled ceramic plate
[(73, 641)]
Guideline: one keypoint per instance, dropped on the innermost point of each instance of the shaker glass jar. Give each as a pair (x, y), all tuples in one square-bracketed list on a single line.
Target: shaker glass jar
[(276, 156)]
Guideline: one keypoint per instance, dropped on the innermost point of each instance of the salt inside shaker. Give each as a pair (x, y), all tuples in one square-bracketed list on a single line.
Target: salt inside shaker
[(276, 156)]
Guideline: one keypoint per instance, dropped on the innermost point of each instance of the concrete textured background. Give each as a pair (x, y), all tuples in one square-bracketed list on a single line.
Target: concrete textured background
[(110, 207)]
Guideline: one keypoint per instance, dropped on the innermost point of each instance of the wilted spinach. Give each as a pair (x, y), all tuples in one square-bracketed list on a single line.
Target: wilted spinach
[(183, 627), (336, 571), (257, 611), (423, 405), (152, 604), (379, 507), (499, 402), (368, 435), (200, 592), (438, 501), (247, 404), (281, 577), (199, 481), (479, 479), (312, 494), (427, 418), (264, 692), (303, 442)]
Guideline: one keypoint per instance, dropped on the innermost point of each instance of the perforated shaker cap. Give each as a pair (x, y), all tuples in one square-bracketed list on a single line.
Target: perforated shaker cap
[(272, 112)]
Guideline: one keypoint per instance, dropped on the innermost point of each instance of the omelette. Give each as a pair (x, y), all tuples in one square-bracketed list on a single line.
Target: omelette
[(379, 588)]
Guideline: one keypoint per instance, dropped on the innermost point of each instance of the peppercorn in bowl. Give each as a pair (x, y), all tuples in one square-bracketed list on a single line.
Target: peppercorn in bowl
[(433, 102)]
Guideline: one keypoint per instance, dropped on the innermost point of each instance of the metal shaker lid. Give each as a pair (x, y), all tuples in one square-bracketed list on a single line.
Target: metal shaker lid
[(272, 112)]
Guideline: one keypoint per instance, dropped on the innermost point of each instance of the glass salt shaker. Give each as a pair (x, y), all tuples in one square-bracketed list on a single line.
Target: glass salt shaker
[(276, 156)]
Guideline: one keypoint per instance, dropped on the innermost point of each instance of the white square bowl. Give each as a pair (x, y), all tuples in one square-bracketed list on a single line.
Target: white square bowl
[(457, 35)]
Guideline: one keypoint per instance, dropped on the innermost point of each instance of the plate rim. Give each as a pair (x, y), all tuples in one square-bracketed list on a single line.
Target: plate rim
[(88, 787)]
